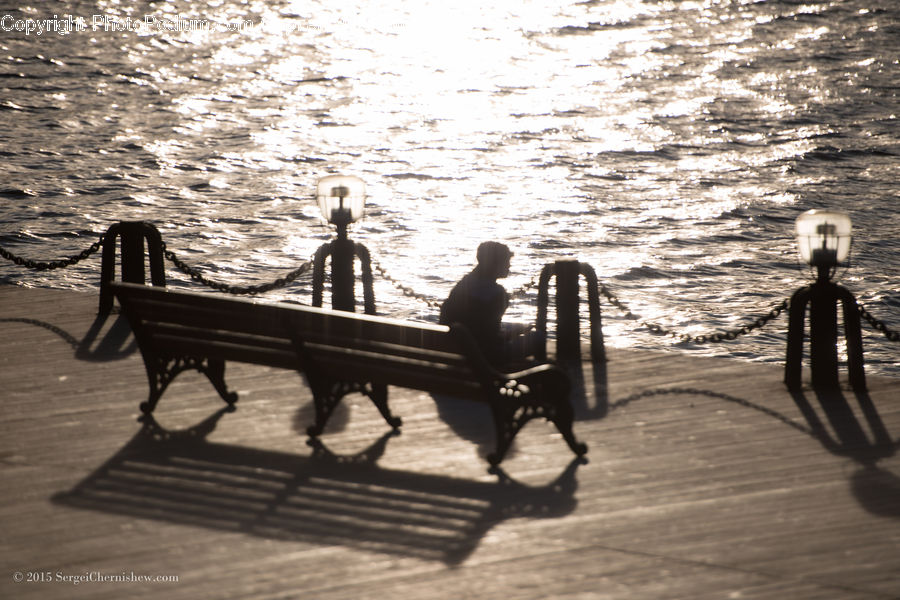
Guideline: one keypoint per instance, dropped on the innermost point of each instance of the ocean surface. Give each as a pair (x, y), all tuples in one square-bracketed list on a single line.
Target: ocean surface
[(669, 144)]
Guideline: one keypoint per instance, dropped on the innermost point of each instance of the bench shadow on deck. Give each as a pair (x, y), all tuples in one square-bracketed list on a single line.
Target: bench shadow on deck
[(180, 477)]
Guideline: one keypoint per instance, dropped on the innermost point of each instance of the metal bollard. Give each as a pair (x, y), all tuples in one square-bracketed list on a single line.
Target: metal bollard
[(568, 337), (343, 251), (822, 298), (132, 234)]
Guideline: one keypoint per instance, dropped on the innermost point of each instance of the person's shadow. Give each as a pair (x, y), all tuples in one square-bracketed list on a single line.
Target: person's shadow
[(472, 421)]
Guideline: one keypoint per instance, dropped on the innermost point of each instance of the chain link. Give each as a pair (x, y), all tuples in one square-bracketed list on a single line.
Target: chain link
[(407, 291), (894, 336), (53, 264), (719, 336), (197, 276), (614, 300), (516, 294)]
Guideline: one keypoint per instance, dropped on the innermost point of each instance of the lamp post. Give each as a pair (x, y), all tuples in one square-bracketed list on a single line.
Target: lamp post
[(823, 237), (342, 200)]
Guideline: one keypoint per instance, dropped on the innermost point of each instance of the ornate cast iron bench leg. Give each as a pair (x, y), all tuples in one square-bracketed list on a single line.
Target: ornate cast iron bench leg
[(327, 394), (544, 394), (215, 372), (506, 425), (161, 371), (378, 394)]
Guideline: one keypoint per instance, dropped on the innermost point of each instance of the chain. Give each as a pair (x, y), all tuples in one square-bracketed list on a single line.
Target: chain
[(894, 336), (196, 275), (719, 336), (516, 294), (614, 300), (407, 291), (53, 264)]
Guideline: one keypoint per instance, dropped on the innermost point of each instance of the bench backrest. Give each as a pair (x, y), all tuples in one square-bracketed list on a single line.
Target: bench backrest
[(344, 345)]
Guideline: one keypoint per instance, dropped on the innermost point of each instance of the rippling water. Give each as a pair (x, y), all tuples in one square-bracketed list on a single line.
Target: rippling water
[(670, 145)]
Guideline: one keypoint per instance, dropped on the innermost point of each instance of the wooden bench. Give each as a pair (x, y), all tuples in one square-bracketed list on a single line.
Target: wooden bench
[(339, 353)]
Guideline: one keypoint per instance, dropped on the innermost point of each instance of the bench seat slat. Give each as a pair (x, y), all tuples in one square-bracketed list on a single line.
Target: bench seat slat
[(405, 377), (297, 317), (248, 339), (380, 347), (383, 368), (372, 347), (174, 345), (261, 320)]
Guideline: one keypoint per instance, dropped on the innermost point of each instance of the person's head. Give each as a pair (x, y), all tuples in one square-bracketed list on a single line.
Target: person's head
[(493, 259)]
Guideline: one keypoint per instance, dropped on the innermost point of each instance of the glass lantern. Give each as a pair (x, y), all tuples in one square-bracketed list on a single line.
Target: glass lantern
[(341, 198), (823, 237)]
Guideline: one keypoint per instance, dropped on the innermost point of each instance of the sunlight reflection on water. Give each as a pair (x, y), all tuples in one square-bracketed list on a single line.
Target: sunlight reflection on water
[(670, 145)]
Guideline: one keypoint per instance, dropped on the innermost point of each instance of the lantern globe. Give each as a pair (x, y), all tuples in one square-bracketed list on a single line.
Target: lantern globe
[(341, 198), (823, 237)]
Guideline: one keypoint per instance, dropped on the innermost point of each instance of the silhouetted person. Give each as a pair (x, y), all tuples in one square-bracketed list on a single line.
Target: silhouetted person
[(478, 302)]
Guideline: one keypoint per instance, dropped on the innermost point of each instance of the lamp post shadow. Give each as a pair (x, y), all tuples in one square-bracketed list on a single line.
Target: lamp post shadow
[(876, 489), (847, 435)]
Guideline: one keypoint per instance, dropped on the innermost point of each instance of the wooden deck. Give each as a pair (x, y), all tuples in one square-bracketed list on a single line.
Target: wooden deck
[(705, 479)]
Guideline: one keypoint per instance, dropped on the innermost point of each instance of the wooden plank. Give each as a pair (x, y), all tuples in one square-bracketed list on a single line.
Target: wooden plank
[(706, 479), (301, 313), (258, 354), (169, 331)]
